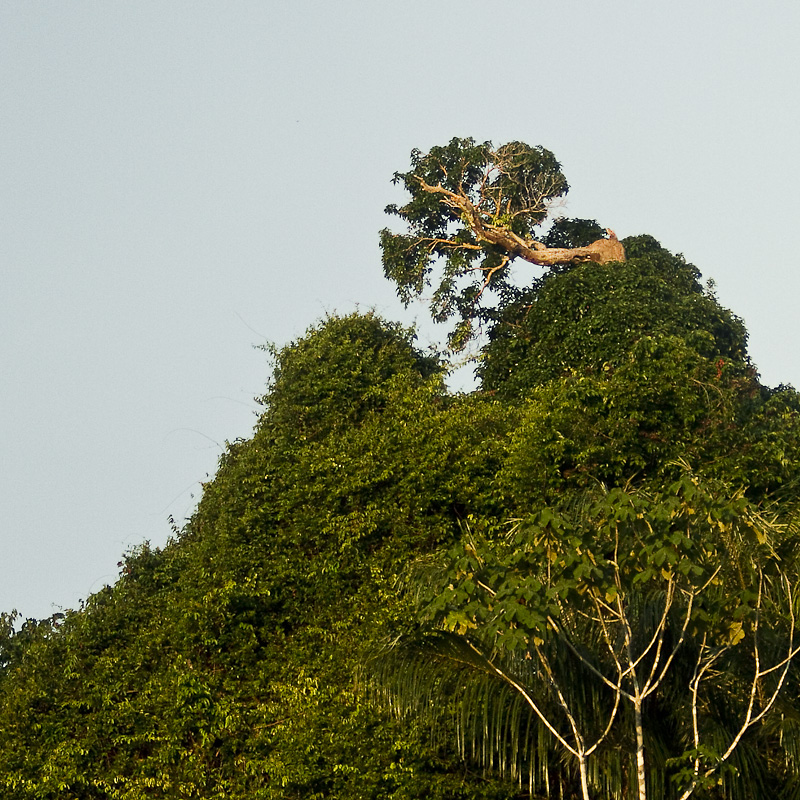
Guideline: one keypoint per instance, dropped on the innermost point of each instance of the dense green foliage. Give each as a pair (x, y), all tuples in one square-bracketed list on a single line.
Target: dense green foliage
[(224, 665), (589, 317), (248, 657)]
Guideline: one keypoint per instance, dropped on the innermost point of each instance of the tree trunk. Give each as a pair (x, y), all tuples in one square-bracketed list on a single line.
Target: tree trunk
[(600, 251), (584, 777), (640, 773)]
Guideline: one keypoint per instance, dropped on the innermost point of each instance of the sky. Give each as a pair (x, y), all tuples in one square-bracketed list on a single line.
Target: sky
[(181, 182)]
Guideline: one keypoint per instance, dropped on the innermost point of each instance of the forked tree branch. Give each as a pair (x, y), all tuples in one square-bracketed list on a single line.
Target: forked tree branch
[(702, 667)]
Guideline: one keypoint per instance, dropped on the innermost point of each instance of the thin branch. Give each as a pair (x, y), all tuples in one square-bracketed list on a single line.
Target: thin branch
[(588, 664), (658, 636), (758, 674), (528, 699)]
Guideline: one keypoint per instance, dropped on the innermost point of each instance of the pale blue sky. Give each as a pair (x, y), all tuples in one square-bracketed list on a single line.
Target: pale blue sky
[(183, 180)]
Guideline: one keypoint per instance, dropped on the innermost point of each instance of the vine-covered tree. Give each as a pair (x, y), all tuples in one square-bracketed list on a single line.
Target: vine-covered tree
[(477, 208), (589, 318)]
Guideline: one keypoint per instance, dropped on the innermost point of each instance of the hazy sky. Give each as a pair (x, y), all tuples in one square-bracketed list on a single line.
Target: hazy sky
[(180, 181)]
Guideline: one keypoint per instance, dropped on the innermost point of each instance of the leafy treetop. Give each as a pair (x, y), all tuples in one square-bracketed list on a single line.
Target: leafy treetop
[(339, 372), (477, 207)]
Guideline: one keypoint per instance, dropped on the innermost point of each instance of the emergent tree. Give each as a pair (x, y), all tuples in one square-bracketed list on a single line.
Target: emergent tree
[(477, 208)]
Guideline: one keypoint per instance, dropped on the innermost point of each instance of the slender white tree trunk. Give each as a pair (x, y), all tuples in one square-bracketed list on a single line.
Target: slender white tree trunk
[(584, 777), (640, 773)]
